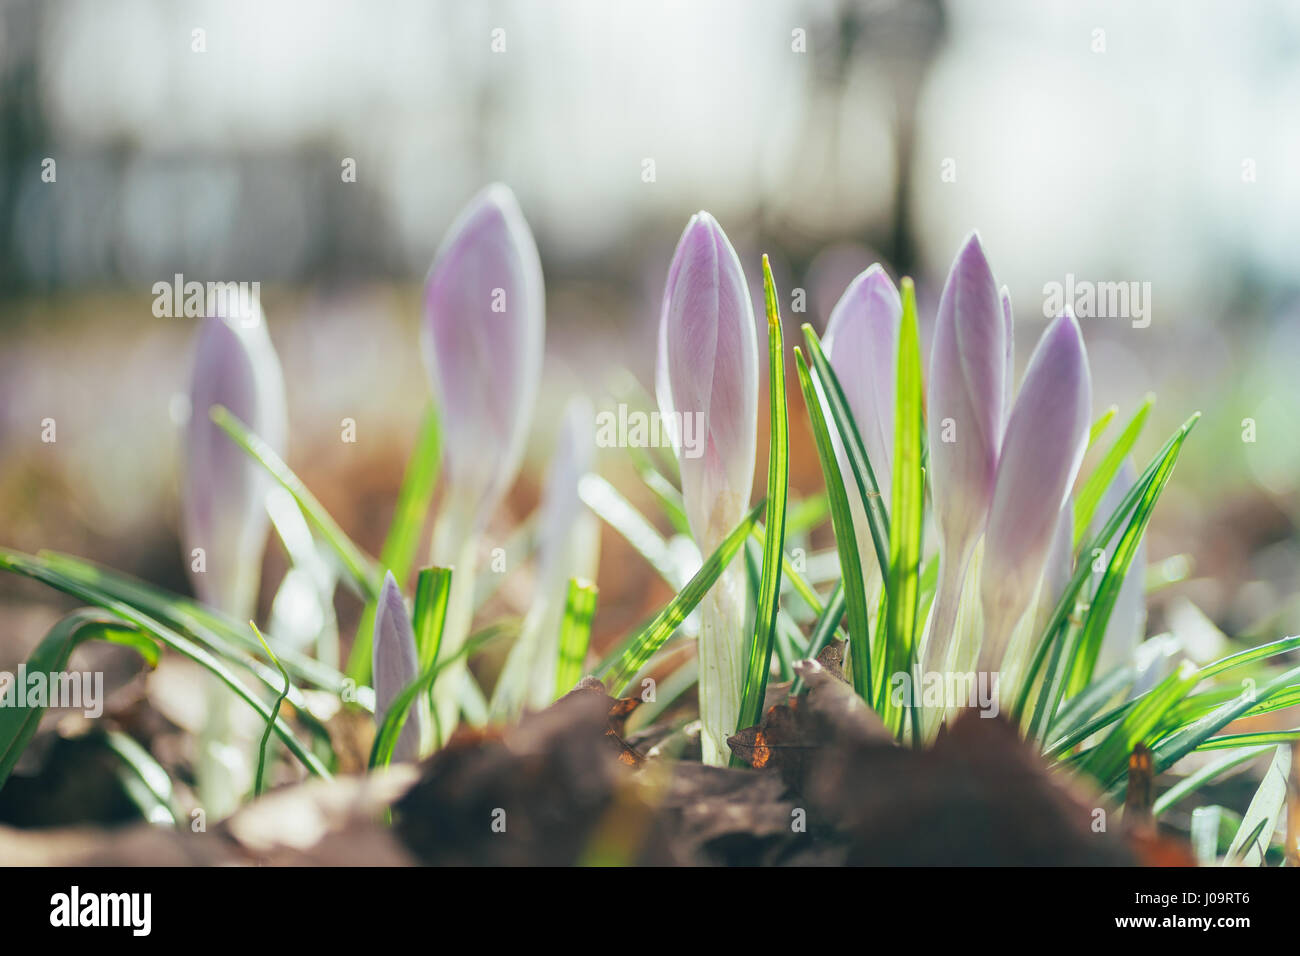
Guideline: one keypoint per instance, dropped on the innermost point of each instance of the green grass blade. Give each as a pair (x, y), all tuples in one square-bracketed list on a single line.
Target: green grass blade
[(403, 540), (907, 509), (1177, 745), (143, 778), (1250, 655), (778, 473), (1103, 601), (855, 595), (575, 634), (617, 512), (18, 724), (1260, 820), (33, 568), (1279, 690), (651, 638), (670, 499), (184, 614), (362, 571), (1086, 704), (429, 613), (1100, 425), (1092, 490), (1110, 757), (863, 475), (1194, 781), (1055, 632), (1081, 733), (1262, 738), (259, 782)]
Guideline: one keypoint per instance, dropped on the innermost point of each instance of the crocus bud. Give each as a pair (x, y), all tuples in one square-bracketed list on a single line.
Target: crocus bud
[(223, 495), (710, 373), (396, 665), (708, 384), (484, 325), (967, 393), (967, 390), (567, 546), (861, 342), (1046, 437)]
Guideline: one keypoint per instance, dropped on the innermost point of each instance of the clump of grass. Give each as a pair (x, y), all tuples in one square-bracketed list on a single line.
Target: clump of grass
[(996, 557)]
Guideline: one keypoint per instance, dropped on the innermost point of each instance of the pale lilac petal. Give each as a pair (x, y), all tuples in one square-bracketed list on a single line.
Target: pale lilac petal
[(711, 354), (484, 326), (395, 664), (862, 344), (1009, 391), (709, 367), (223, 491), (1060, 558), (967, 388), (1047, 434)]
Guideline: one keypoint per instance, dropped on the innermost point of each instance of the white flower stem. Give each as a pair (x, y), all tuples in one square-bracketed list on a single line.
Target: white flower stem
[(722, 649), (947, 602), (455, 545)]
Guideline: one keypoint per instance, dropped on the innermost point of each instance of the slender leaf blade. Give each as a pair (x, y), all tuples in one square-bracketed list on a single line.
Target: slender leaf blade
[(623, 670), (855, 595), (575, 634), (778, 472)]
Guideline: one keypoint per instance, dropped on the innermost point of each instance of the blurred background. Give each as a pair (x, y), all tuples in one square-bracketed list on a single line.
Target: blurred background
[(1153, 143)]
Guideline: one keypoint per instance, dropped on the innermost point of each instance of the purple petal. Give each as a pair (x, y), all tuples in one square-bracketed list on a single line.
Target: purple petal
[(483, 342), (395, 665), (223, 492), (862, 344), (1047, 434), (967, 388), (710, 353), (1060, 560), (1009, 391)]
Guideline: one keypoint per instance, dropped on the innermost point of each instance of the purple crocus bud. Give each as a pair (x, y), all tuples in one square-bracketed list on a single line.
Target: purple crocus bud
[(861, 342), (708, 386), (223, 494), (1046, 437), (966, 396), (484, 325), (710, 378), (396, 665)]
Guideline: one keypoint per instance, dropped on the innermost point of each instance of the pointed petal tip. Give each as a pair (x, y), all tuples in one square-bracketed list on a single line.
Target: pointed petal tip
[(971, 255), (499, 196)]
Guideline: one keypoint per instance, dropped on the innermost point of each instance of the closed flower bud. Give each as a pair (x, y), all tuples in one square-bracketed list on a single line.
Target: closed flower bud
[(967, 395), (395, 665), (223, 496), (1046, 437), (708, 384), (484, 326)]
